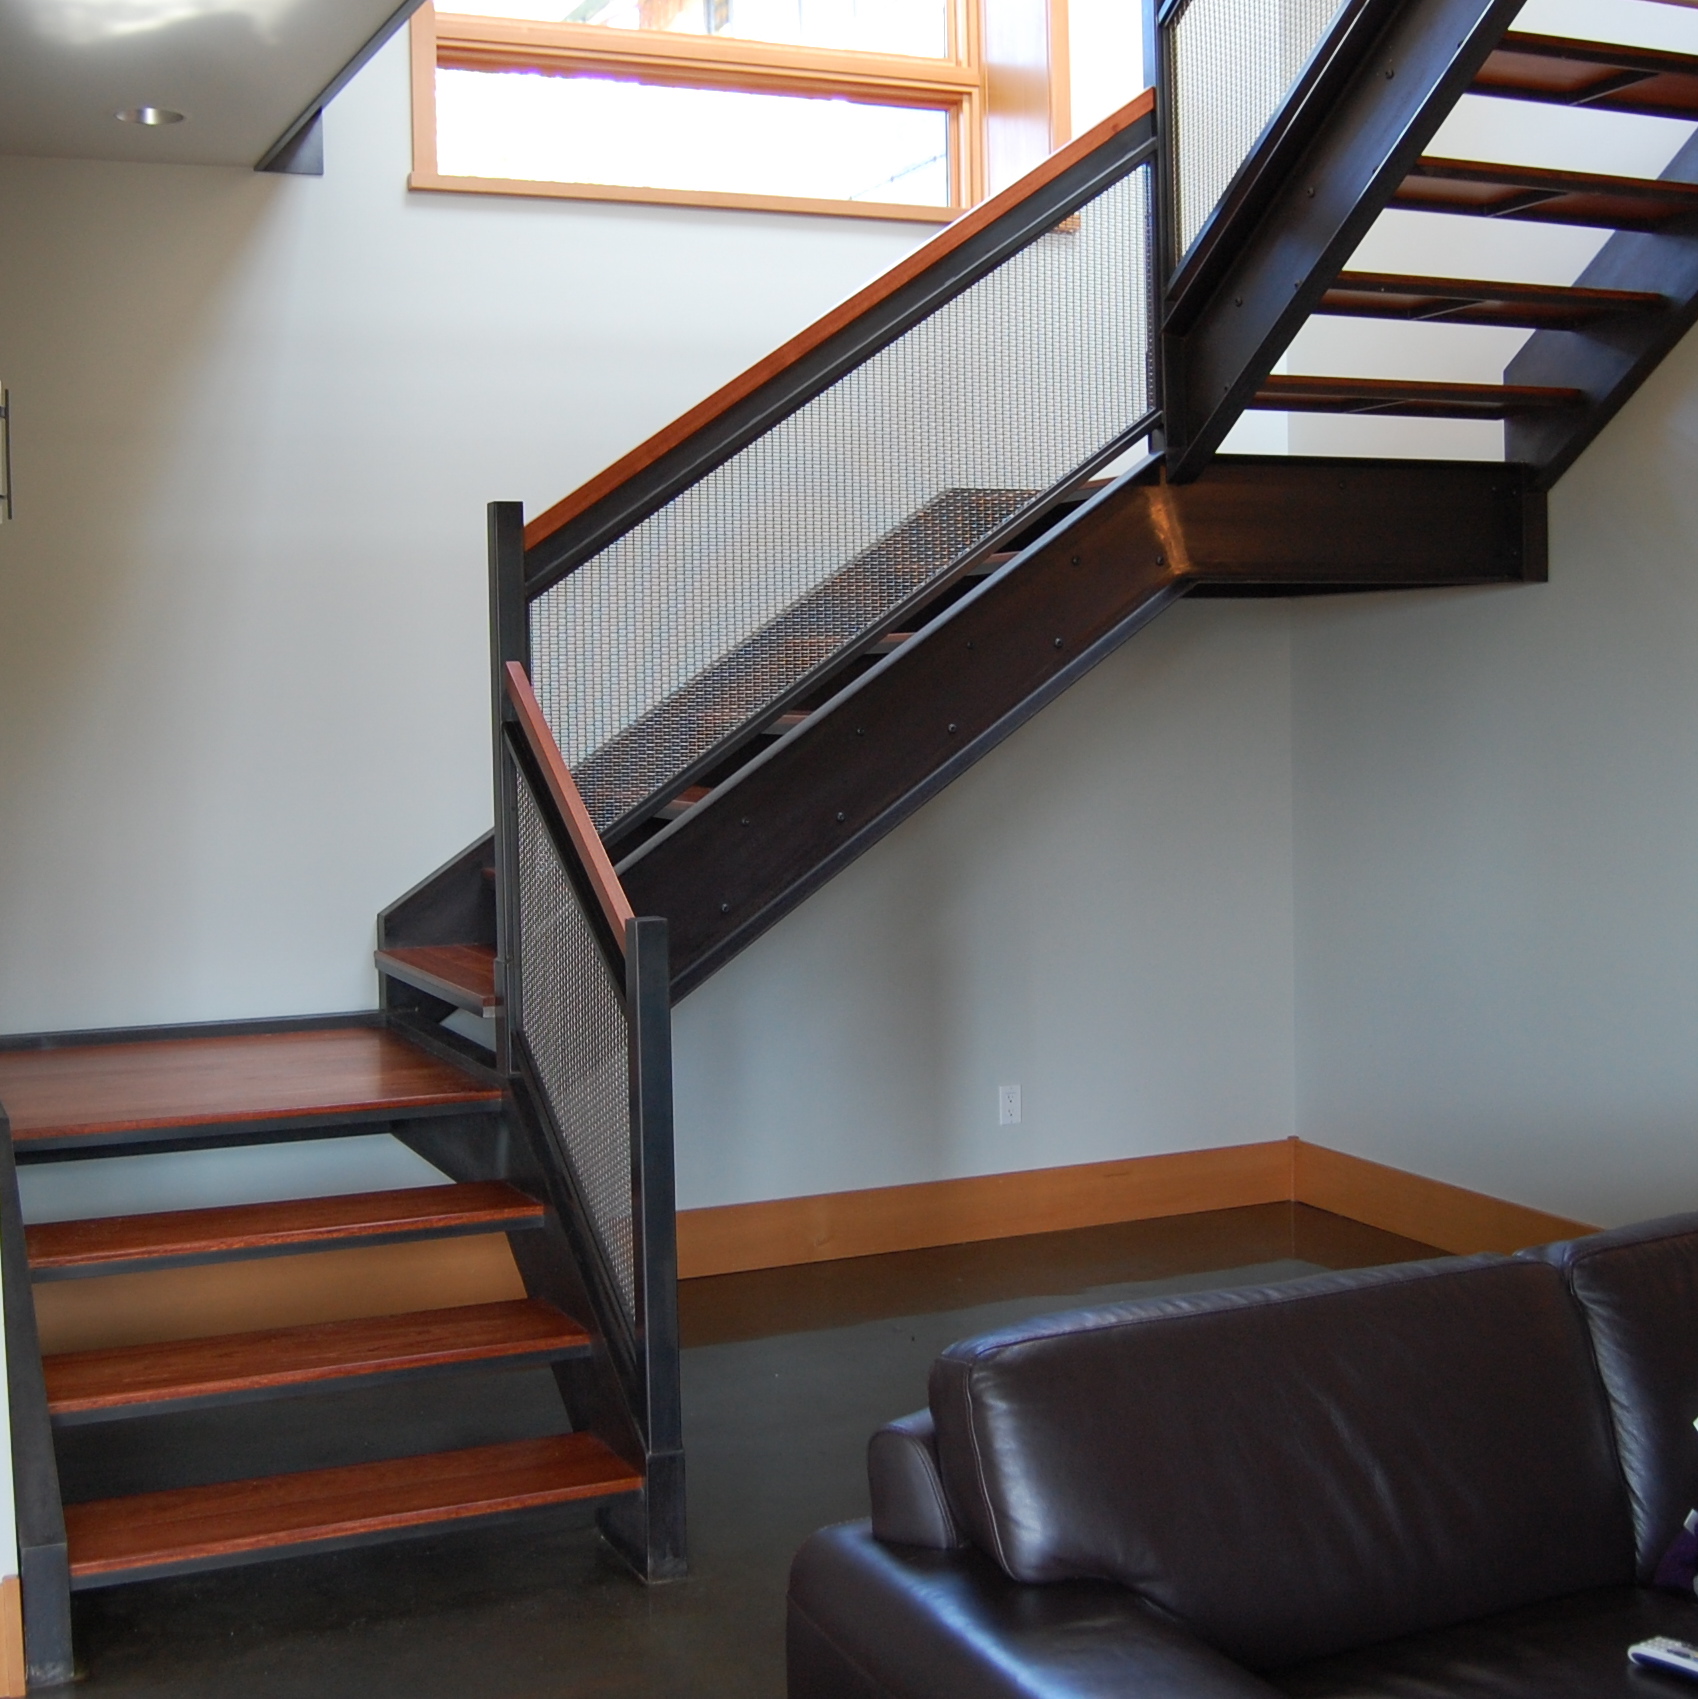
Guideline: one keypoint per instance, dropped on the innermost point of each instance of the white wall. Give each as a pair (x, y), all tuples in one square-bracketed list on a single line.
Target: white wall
[(243, 678), (1497, 791), (1497, 851), (242, 610), (1100, 912)]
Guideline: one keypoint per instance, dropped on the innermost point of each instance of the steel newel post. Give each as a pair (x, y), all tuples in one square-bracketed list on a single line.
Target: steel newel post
[(1157, 15), (509, 641), (657, 1546)]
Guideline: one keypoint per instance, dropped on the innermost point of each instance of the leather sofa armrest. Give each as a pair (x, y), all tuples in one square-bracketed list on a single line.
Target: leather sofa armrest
[(873, 1621), (909, 1507)]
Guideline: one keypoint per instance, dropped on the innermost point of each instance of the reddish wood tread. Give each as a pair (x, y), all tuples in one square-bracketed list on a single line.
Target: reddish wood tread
[(1473, 187), (198, 1526), (249, 1229), (1408, 399), (1453, 300), (682, 803), (458, 973), (185, 1082), (1602, 76), (178, 1371)]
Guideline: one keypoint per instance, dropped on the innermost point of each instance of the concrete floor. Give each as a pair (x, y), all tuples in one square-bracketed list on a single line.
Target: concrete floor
[(786, 1373)]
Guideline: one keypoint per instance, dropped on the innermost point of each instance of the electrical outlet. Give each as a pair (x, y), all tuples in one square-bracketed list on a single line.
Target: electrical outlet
[(1008, 1106)]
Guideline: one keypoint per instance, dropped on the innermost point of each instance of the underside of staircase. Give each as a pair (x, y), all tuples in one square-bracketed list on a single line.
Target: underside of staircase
[(725, 668)]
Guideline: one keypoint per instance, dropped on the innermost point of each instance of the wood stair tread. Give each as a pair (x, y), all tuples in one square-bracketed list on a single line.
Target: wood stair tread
[(1603, 76), (203, 1527), (462, 974), (349, 1073), (1489, 190), (106, 1244), (1455, 300), (682, 803), (1396, 397), (782, 723), (176, 1373)]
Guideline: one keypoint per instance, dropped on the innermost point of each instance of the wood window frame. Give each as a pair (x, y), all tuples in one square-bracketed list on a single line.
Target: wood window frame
[(1006, 109)]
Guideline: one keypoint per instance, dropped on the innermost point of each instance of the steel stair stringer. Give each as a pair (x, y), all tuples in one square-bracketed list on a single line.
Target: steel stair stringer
[(832, 787)]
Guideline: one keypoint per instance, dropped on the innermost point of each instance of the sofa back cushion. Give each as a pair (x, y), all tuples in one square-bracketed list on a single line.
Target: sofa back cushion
[(1298, 1469), (1638, 1287)]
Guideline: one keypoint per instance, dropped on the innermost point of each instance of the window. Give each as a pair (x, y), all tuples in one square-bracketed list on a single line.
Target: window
[(909, 109)]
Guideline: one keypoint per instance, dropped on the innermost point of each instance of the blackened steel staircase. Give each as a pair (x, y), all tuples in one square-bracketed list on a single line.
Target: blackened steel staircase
[(1352, 141)]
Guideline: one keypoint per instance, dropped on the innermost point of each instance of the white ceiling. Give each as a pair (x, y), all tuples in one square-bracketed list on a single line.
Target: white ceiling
[(242, 71)]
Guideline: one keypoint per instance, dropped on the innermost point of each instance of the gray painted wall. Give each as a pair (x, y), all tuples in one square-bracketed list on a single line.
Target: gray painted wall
[(1497, 851), (1099, 912), (243, 608)]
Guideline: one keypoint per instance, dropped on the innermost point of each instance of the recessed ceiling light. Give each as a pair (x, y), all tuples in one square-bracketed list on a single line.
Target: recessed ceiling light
[(149, 115)]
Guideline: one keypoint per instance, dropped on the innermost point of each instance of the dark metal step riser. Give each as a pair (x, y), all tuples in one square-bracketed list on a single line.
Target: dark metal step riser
[(227, 1135)]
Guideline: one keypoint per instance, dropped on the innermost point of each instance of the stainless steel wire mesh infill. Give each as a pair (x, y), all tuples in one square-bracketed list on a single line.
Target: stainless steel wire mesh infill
[(1230, 66), (573, 1021), (695, 624)]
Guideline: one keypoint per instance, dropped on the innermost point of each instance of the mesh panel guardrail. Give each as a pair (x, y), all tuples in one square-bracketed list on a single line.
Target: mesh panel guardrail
[(572, 1016), (692, 626), (1229, 67)]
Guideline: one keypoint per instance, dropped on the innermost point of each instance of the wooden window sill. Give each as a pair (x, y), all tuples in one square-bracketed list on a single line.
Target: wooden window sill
[(544, 190)]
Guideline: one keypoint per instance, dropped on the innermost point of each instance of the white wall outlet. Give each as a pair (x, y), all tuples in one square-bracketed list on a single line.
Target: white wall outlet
[(1008, 1106)]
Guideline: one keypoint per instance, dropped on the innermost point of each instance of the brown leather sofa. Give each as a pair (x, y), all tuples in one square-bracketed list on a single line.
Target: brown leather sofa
[(1449, 1478)]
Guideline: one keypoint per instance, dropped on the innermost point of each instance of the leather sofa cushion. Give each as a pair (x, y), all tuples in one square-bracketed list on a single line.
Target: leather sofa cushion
[(1638, 1287), (871, 1621), (1296, 1470), (1574, 1648)]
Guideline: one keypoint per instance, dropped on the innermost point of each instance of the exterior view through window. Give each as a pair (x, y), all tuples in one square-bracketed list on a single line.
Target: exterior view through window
[(909, 109), (917, 27)]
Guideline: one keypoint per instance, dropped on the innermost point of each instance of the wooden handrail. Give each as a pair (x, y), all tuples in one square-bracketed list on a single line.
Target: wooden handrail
[(923, 258), (568, 801)]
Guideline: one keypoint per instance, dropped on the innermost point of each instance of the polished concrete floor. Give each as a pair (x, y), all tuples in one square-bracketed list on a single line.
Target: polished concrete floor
[(786, 1373)]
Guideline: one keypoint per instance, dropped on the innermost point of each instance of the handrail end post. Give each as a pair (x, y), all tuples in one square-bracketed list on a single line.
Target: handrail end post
[(509, 640), (44, 1576), (649, 1532)]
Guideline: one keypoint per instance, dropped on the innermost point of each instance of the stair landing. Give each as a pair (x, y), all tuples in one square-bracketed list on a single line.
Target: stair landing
[(86, 1095)]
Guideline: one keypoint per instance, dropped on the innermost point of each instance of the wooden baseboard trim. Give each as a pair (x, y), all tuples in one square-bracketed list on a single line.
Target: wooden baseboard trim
[(186, 1303), (736, 1238), (1450, 1217), (12, 1683)]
